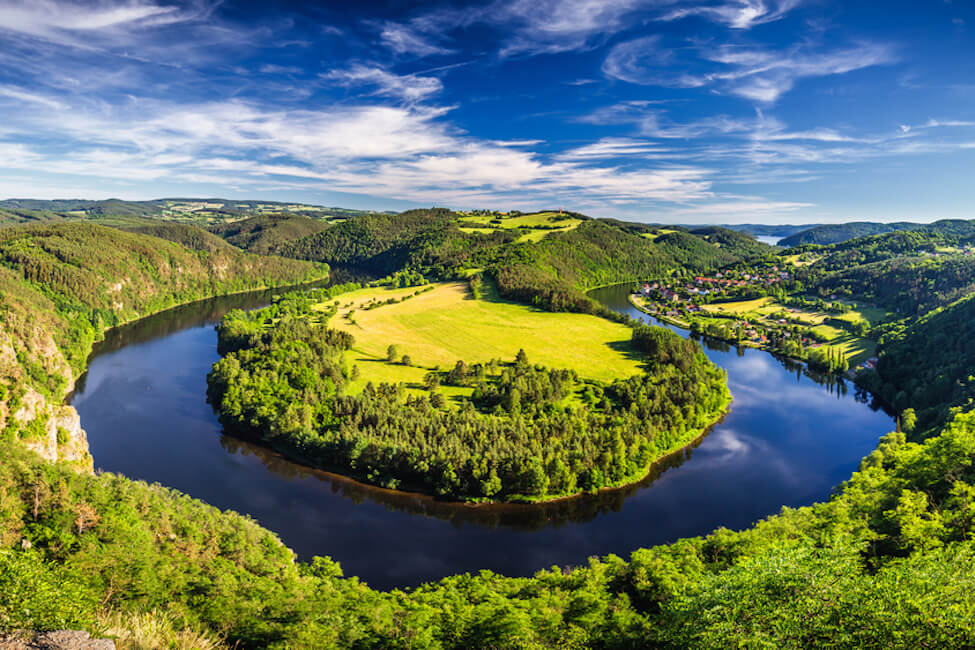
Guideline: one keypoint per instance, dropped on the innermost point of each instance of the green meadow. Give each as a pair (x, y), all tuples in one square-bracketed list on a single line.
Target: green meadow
[(442, 326)]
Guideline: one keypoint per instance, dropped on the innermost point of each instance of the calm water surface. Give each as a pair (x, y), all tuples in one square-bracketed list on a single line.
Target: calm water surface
[(788, 440)]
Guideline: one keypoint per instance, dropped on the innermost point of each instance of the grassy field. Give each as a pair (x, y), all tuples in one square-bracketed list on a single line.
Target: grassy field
[(739, 307), (794, 259), (442, 326), (856, 349), (657, 234), (482, 223)]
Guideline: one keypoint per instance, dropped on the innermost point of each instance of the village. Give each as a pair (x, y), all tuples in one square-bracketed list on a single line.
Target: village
[(753, 307)]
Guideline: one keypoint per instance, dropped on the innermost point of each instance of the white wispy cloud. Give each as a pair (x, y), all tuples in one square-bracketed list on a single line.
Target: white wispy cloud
[(405, 152), (23, 95), (405, 39), (550, 26), (737, 14), (88, 24), (535, 27), (615, 148), (752, 73), (411, 88)]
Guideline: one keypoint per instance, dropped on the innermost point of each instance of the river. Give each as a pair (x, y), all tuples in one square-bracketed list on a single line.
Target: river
[(788, 440)]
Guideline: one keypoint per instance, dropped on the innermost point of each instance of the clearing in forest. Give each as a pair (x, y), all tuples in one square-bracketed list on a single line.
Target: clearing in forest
[(438, 327)]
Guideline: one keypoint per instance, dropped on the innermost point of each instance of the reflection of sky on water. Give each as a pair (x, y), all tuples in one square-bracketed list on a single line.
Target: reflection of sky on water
[(786, 441)]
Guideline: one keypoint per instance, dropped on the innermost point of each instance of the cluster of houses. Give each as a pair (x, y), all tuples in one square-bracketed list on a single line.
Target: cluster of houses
[(684, 298), (719, 284)]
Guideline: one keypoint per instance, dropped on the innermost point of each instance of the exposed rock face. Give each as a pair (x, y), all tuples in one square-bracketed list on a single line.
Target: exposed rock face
[(63, 439), (59, 436), (59, 640)]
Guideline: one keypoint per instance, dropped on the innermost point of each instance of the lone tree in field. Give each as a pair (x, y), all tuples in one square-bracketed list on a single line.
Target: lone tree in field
[(522, 358), (392, 352)]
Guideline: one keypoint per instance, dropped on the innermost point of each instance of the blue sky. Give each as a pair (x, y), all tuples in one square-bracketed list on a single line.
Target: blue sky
[(652, 110)]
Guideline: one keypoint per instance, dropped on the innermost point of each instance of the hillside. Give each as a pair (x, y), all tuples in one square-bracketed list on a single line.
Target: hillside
[(926, 366), (62, 285), (198, 211), (264, 234), (183, 234), (912, 271), (840, 232), (542, 258)]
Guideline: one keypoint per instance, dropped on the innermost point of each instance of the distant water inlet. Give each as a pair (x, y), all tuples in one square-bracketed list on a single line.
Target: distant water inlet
[(789, 439)]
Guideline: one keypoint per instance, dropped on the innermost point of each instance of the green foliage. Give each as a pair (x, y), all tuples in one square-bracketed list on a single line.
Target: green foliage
[(514, 438), (72, 280), (265, 234), (912, 271), (835, 233), (36, 594), (927, 365), (888, 562)]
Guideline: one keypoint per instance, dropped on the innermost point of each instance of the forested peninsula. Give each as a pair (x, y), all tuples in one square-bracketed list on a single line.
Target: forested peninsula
[(886, 562), (525, 432)]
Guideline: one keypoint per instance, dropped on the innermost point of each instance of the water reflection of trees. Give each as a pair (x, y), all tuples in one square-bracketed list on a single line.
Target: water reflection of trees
[(617, 299), (526, 517)]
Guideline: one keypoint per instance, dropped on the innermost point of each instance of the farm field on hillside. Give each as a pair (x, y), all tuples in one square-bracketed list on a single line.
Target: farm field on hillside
[(767, 310), (539, 224)]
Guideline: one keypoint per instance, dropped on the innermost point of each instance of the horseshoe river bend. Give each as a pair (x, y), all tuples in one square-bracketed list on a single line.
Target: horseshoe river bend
[(789, 439)]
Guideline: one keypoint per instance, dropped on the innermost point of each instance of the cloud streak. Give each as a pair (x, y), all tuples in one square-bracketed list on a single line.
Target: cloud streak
[(760, 75)]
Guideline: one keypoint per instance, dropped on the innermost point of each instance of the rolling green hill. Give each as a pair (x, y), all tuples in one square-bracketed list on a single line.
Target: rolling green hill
[(840, 232), (265, 234)]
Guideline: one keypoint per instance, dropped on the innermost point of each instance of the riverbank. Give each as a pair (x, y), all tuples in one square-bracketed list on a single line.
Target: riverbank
[(849, 373), (150, 378)]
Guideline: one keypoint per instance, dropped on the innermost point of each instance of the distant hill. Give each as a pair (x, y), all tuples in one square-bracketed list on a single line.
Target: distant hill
[(185, 234), (840, 232), (779, 230), (201, 211), (264, 233)]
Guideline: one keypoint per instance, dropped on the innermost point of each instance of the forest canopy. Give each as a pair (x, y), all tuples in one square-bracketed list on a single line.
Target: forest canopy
[(525, 432)]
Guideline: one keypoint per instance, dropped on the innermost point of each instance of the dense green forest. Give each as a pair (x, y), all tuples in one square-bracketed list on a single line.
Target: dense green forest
[(927, 366), (887, 562), (553, 271), (908, 272), (264, 234), (925, 277), (519, 436), (193, 210), (835, 233)]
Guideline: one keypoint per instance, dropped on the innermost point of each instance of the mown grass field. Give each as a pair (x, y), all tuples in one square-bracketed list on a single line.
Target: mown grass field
[(657, 234), (539, 224), (442, 326), (739, 307), (855, 348)]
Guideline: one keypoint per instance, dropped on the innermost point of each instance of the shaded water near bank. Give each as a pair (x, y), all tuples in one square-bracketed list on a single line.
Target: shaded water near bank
[(788, 440)]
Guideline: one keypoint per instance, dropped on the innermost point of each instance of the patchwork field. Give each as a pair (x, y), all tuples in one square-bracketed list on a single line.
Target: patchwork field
[(855, 348), (539, 224), (442, 326)]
